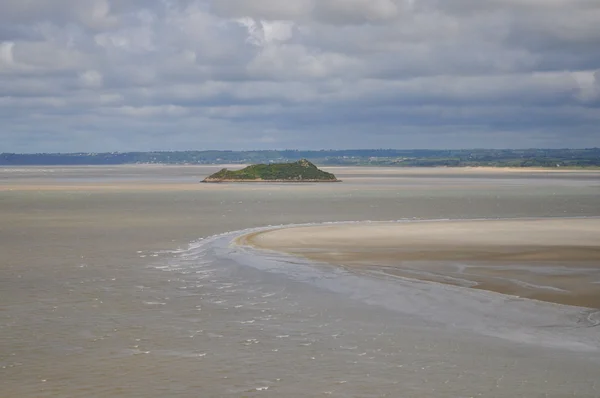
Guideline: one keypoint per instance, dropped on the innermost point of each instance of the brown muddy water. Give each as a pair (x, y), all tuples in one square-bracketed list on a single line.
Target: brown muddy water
[(121, 281)]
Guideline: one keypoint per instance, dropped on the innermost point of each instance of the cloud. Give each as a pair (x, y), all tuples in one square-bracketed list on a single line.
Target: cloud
[(90, 79), (6, 54), (337, 12), (262, 9), (95, 14), (181, 74), (262, 33), (355, 11)]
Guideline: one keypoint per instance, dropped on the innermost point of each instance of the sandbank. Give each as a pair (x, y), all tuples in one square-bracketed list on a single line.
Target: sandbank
[(555, 260)]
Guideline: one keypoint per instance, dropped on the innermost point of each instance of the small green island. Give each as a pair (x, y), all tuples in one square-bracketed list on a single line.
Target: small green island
[(300, 171)]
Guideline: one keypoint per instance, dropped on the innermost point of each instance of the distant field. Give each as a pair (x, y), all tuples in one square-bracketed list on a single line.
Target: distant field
[(530, 158)]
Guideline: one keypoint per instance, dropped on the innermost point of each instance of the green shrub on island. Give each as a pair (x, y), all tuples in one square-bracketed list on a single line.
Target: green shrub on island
[(300, 171)]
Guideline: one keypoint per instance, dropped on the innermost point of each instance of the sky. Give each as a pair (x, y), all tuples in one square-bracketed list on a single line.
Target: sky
[(122, 75)]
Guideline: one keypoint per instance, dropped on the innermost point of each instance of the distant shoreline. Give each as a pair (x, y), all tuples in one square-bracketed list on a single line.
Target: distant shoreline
[(366, 167), (514, 158)]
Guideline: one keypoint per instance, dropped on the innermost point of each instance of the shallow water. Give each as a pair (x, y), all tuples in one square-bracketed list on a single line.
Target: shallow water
[(103, 294)]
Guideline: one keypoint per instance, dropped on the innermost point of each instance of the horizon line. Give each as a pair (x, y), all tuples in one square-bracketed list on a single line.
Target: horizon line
[(299, 150)]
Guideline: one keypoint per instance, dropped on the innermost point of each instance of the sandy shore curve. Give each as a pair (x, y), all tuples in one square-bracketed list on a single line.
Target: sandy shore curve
[(554, 259)]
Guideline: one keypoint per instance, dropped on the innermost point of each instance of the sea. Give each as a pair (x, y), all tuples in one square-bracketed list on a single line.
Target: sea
[(126, 281)]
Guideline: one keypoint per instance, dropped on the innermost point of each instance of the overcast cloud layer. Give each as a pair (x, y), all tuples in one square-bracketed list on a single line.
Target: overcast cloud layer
[(105, 75)]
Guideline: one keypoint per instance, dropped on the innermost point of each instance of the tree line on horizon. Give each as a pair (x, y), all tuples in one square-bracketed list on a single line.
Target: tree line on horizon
[(574, 158)]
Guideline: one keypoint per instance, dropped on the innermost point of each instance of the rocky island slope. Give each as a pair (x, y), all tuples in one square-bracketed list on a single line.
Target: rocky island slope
[(300, 171)]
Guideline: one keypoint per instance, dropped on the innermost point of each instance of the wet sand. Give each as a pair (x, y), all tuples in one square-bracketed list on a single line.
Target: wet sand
[(103, 293), (556, 260)]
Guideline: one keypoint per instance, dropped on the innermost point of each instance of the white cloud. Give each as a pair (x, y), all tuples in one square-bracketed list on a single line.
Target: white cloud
[(90, 79), (588, 84), (6, 55), (152, 111), (323, 68), (263, 33)]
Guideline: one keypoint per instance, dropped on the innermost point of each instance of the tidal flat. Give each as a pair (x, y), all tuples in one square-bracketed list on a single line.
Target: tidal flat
[(122, 281), (551, 259)]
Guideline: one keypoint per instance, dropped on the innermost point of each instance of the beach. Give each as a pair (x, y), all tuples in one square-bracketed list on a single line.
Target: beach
[(125, 281), (556, 260)]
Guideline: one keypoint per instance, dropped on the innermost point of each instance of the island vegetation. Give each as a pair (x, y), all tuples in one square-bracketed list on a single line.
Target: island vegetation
[(300, 171)]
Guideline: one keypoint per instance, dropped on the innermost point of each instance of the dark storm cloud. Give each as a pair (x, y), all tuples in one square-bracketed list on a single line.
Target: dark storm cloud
[(167, 74)]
